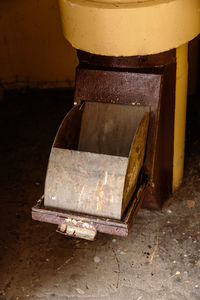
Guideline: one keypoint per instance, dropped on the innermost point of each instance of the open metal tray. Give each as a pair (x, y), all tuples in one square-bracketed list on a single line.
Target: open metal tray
[(86, 226)]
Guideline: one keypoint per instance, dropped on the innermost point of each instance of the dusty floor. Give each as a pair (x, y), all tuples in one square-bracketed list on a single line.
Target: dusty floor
[(160, 259)]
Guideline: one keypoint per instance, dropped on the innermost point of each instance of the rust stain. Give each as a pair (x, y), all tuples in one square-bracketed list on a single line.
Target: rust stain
[(100, 199), (81, 193), (100, 191)]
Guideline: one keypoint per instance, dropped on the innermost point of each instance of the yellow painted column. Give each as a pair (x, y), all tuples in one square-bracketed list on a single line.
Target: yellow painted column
[(129, 27), (180, 113)]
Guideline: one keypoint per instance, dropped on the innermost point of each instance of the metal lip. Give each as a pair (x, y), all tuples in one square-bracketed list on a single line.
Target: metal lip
[(101, 224)]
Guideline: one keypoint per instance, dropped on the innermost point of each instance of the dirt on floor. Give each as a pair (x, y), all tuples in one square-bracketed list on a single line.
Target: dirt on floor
[(160, 259)]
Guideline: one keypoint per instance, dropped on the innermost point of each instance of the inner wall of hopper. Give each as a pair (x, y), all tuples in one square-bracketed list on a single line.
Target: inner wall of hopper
[(109, 128)]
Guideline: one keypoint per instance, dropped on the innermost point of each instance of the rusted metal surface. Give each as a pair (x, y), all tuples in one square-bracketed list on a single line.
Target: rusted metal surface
[(141, 80), (96, 224), (80, 230), (68, 132), (85, 182), (109, 129), (164, 147), (95, 183), (127, 88), (129, 62), (137, 81)]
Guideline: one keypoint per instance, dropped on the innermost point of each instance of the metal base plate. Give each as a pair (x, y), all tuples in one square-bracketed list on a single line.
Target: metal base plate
[(86, 226)]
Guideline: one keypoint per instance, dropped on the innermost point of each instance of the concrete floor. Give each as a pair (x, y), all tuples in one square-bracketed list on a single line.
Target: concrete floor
[(160, 259)]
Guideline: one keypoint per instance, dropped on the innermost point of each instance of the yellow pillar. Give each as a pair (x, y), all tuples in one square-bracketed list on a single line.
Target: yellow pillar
[(180, 113)]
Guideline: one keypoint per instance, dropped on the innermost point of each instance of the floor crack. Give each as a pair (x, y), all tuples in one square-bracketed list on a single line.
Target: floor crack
[(118, 266)]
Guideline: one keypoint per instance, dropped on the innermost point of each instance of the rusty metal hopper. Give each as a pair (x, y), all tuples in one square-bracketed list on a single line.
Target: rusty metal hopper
[(96, 159)]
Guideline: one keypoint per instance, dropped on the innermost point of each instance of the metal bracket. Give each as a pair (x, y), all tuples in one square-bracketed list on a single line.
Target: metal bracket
[(78, 229)]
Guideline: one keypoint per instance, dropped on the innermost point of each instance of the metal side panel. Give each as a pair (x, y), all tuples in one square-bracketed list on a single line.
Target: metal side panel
[(136, 159)]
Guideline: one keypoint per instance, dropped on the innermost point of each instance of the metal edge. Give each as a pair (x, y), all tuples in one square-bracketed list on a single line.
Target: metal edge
[(104, 225)]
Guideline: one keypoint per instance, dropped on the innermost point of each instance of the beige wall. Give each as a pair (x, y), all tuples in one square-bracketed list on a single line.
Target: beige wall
[(33, 51)]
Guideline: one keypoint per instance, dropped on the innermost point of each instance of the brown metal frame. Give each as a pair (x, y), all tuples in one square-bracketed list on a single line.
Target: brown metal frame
[(136, 79), (99, 224), (139, 80)]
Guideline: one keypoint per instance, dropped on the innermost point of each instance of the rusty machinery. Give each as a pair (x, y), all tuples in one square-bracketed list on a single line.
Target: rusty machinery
[(113, 151)]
